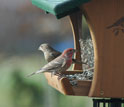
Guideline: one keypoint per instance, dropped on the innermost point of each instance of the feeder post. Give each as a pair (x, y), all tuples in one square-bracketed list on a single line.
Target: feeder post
[(76, 25)]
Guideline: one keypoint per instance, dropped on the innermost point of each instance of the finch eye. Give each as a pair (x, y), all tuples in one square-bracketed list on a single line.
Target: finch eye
[(70, 50)]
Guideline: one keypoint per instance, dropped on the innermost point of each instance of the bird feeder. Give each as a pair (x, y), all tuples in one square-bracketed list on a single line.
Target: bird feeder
[(105, 19)]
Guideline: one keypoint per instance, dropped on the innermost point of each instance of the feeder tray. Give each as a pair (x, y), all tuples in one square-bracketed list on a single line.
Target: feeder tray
[(105, 19), (63, 85)]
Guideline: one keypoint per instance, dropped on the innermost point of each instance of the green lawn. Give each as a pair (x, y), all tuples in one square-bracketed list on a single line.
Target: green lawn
[(16, 90)]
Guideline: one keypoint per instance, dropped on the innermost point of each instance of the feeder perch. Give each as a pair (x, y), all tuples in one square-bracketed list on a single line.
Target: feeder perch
[(105, 19)]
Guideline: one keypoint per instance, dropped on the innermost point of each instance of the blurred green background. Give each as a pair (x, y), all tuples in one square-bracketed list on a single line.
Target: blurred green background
[(23, 27)]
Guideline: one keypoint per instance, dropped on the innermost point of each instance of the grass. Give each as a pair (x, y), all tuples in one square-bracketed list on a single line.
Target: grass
[(16, 90)]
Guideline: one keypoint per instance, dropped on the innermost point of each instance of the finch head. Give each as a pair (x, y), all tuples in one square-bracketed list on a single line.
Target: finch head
[(69, 52), (44, 47)]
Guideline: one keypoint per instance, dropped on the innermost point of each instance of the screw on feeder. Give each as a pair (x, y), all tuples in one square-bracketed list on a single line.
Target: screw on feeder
[(46, 12), (101, 93)]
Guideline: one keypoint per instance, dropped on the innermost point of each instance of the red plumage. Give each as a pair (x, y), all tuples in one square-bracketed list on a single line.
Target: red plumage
[(59, 64)]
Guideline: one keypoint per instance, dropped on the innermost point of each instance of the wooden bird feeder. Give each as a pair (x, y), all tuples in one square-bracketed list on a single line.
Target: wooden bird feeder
[(105, 19)]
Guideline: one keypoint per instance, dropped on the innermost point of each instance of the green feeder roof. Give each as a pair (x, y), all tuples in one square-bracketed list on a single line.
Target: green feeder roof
[(59, 8)]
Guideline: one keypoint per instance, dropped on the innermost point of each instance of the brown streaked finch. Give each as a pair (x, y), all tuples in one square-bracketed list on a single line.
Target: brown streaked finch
[(59, 64), (50, 53)]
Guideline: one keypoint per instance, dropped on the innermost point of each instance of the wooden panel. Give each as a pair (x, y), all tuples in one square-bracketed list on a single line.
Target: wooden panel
[(82, 89), (59, 84), (63, 85), (76, 24), (106, 23)]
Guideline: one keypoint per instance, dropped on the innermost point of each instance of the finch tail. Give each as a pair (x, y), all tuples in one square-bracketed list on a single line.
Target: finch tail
[(31, 74), (37, 72)]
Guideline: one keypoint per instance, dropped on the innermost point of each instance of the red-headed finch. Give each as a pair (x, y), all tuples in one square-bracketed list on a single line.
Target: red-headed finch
[(50, 53), (59, 64)]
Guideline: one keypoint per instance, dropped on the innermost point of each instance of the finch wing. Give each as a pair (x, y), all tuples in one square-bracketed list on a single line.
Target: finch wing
[(64, 62), (55, 54), (54, 65)]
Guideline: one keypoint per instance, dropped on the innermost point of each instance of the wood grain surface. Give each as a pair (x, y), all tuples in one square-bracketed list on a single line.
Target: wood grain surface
[(106, 22), (76, 25), (63, 85)]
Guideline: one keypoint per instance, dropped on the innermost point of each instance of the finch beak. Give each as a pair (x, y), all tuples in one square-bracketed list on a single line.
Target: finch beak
[(75, 50), (39, 48)]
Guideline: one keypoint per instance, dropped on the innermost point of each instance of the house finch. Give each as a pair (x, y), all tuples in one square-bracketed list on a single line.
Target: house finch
[(61, 63), (50, 53)]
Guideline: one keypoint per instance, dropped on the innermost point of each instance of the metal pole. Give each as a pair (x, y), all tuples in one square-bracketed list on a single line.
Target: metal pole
[(113, 102), (116, 102), (95, 103)]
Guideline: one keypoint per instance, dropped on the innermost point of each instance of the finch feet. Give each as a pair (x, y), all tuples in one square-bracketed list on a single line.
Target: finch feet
[(53, 73), (60, 76), (57, 74)]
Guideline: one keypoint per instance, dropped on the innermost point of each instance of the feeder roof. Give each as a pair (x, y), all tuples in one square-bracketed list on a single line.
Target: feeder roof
[(59, 8)]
